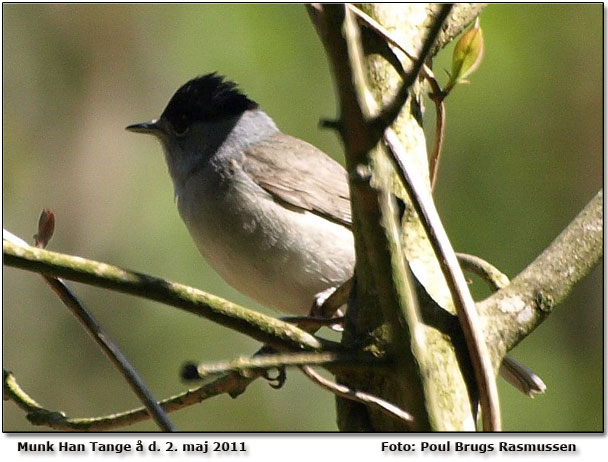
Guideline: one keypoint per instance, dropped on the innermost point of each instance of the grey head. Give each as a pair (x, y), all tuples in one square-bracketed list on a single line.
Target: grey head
[(207, 117), (210, 121)]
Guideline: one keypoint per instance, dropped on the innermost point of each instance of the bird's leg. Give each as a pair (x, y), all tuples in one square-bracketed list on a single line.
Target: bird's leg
[(328, 303)]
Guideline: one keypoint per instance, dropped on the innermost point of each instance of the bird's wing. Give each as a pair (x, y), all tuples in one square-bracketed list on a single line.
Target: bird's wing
[(300, 175)]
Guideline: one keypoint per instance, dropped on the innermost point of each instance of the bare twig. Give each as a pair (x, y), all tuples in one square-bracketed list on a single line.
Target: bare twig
[(234, 384), (97, 333), (374, 25), (245, 365), (112, 351), (438, 98), (312, 323), (356, 395), (366, 20), (465, 306), (488, 272)]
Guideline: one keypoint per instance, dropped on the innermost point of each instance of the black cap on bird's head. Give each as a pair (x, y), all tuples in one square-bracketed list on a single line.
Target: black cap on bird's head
[(207, 98)]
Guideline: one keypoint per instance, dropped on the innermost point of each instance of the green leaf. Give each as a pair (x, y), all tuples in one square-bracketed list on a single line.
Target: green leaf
[(468, 53)]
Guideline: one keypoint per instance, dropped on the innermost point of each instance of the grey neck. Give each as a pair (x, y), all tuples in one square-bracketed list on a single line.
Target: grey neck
[(252, 127), (215, 143)]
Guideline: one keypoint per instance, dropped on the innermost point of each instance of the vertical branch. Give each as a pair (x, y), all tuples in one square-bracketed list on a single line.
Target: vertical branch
[(465, 306), (378, 246), (386, 293)]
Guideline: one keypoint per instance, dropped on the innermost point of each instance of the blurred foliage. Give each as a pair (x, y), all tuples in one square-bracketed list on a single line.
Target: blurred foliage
[(523, 155)]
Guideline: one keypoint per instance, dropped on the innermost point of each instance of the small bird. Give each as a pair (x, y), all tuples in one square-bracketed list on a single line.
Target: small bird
[(269, 212)]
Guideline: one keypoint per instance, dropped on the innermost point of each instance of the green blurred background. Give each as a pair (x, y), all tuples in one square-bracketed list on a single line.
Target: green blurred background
[(523, 155)]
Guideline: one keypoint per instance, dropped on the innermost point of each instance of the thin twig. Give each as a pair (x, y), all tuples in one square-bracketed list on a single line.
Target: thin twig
[(233, 384), (440, 122), (485, 270), (374, 25), (112, 351), (463, 302), (98, 334), (312, 323), (356, 395), (245, 365)]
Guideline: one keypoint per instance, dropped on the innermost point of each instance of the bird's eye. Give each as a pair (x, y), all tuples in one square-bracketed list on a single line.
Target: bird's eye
[(181, 131), (181, 125)]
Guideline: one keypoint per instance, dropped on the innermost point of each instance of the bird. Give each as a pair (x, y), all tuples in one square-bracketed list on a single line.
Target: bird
[(268, 211)]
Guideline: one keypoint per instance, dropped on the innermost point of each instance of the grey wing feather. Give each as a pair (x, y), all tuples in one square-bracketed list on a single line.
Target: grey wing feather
[(300, 175)]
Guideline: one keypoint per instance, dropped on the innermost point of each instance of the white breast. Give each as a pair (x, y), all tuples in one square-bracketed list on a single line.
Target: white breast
[(277, 256)]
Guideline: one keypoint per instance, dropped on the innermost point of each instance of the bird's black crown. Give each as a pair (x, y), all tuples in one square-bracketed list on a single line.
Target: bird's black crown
[(207, 98)]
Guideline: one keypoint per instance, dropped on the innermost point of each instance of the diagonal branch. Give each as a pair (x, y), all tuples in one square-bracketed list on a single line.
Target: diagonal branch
[(356, 395), (515, 311), (96, 331), (266, 329), (112, 352)]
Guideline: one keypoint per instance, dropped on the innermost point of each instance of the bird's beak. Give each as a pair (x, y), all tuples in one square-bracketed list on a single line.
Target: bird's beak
[(153, 127)]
